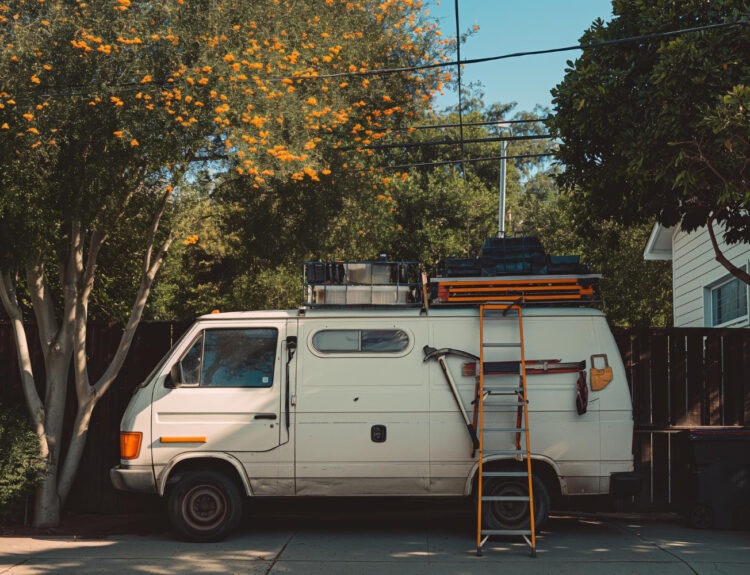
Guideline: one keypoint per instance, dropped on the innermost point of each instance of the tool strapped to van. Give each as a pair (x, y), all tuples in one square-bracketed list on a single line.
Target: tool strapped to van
[(521, 479), (439, 356)]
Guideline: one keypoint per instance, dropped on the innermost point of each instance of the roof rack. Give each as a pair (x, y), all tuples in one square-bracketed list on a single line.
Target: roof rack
[(523, 290), (508, 270), (363, 283)]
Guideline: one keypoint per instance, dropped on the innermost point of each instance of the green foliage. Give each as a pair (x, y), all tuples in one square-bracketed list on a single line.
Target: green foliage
[(20, 464), (634, 292), (657, 130)]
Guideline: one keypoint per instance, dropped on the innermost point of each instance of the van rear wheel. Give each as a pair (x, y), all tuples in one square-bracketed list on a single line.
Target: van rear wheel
[(514, 514), (205, 506)]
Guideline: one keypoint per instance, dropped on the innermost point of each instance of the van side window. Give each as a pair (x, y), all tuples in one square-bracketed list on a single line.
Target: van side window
[(231, 358), (361, 340), (191, 363)]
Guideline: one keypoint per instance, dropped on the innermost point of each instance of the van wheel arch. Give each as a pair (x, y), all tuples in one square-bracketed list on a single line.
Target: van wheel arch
[(216, 464)]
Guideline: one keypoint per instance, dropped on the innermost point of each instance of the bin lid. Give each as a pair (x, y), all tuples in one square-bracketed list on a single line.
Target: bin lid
[(712, 434)]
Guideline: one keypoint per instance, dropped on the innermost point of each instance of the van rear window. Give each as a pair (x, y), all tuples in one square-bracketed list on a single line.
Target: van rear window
[(361, 340)]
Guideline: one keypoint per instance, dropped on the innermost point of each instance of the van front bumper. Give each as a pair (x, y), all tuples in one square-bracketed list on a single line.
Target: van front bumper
[(138, 479), (624, 484)]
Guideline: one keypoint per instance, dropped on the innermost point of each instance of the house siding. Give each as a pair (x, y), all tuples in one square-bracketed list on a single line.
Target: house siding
[(694, 269)]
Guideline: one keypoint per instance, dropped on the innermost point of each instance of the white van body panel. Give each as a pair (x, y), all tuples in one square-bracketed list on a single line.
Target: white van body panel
[(227, 418), (335, 399)]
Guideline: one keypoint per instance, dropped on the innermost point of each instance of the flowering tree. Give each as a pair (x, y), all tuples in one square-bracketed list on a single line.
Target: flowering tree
[(105, 108)]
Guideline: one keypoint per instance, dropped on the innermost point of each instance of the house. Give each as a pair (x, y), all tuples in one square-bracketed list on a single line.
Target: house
[(704, 293)]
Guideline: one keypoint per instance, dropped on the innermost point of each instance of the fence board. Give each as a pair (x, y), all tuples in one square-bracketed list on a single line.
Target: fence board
[(695, 378), (659, 375), (712, 404), (677, 380), (734, 377)]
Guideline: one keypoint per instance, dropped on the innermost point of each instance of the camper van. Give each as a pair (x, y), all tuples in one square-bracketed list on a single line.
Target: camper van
[(345, 401)]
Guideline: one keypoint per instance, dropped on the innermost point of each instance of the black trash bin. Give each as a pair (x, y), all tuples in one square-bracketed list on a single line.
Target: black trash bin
[(711, 477)]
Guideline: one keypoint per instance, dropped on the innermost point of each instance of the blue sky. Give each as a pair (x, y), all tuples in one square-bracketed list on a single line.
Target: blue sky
[(505, 27)]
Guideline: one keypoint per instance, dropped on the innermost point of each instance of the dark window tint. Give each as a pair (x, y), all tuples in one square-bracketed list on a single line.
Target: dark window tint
[(361, 340), (239, 358), (231, 358)]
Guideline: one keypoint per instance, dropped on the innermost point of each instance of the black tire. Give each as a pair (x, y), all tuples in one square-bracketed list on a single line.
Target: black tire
[(204, 506), (514, 514)]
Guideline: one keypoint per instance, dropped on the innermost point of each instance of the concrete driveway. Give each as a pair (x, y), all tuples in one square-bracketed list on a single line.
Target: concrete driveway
[(396, 538)]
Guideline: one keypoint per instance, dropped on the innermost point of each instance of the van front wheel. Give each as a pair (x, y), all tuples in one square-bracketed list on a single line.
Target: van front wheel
[(205, 506), (514, 514)]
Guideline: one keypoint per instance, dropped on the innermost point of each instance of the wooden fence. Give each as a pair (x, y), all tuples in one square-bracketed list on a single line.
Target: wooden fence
[(679, 379)]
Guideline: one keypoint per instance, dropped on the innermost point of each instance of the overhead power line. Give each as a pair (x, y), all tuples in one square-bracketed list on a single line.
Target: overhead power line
[(488, 123), (447, 142), (470, 160), (440, 126), (593, 45), (458, 69)]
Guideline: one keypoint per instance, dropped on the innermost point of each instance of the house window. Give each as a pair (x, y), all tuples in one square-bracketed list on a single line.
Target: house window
[(728, 302)]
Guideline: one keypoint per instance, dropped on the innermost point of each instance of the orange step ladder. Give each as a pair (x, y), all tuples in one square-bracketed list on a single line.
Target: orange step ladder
[(484, 393)]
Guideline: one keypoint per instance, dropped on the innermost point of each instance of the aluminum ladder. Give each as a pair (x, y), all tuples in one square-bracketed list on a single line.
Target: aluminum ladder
[(522, 427)]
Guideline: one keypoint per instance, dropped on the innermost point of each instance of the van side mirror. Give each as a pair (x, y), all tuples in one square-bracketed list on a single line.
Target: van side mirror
[(174, 379)]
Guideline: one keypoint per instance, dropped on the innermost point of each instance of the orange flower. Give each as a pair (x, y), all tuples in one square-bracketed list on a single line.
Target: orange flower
[(5, 126), (29, 117), (229, 58), (118, 133), (134, 142), (35, 79), (146, 79)]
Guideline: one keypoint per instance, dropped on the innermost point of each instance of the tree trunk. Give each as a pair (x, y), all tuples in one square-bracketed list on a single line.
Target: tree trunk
[(47, 503), (75, 450)]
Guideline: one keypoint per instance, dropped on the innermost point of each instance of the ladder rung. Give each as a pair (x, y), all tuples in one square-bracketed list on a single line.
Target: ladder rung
[(496, 389), (501, 345), (503, 451), (510, 429), (505, 498), (505, 474), (505, 532)]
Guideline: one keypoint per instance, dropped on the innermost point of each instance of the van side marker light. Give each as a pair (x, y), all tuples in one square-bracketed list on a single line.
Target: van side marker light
[(182, 439)]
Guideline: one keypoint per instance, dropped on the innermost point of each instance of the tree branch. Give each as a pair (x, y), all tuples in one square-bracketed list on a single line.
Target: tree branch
[(44, 308), (86, 276), (152, 231), (33, 402), (136, 312), (721, 258)]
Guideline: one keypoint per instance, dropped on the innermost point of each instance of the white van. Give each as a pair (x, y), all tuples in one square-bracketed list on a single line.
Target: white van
[(341, 402)]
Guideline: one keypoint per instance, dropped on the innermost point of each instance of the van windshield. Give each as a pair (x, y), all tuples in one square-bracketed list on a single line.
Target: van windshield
[(161, 363)]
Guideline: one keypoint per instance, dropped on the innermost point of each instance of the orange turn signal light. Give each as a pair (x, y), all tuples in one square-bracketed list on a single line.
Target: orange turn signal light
[(130, 444)]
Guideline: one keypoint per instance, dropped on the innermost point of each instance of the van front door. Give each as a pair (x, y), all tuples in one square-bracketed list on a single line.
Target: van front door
[(229, 398)]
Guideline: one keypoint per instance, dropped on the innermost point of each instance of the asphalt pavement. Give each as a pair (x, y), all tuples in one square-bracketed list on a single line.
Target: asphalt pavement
[(394, 538)]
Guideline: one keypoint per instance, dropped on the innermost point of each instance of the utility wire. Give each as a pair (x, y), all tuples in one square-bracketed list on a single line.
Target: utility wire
[(458, 68), (488, 123), (447, 142), (470, 160), (602, 44), (440, 126)]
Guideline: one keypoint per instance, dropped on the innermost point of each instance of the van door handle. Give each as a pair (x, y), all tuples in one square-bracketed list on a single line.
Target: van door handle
[(265, 416)]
